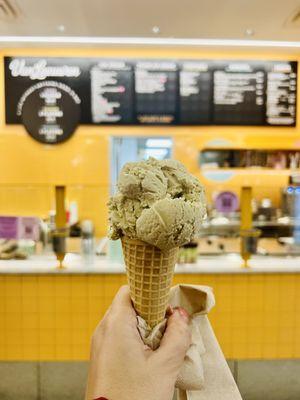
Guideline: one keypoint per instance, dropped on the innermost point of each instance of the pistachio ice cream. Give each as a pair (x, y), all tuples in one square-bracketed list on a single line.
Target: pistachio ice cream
[(158, 202)]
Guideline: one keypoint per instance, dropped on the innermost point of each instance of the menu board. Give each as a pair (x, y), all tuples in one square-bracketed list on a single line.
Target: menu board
[(161, 92), (22, 73), (156, 86), (239, 94), (195, 81), (112, 92), (281, 93)]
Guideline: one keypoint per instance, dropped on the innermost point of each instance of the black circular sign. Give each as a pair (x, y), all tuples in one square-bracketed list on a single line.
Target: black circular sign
[(50, 112)]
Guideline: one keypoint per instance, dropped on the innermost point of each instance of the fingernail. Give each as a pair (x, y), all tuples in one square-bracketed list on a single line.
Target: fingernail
[(183, 313), (170, 311)]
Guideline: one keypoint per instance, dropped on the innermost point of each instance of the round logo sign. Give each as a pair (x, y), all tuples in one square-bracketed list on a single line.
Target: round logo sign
[(50, 111)]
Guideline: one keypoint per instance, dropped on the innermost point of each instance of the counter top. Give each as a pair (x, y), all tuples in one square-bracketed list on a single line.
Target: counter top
[(224, 264)]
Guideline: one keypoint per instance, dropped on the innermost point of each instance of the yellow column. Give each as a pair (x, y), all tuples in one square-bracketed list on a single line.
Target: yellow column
[(246, 210), (60, 218), (59, 236), (246, 221)]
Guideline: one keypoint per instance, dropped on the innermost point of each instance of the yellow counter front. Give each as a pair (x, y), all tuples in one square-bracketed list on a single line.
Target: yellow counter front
[(46, 314)]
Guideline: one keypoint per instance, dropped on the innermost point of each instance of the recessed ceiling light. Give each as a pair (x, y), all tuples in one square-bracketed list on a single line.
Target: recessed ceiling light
[(155, 29), (249, 32), (61, 28)]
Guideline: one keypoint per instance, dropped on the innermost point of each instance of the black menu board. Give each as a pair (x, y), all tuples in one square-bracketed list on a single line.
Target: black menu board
[(195, 80), (169, 92), (281, 93), (21, 73), (239, 94), (112, 92), (156, 92)]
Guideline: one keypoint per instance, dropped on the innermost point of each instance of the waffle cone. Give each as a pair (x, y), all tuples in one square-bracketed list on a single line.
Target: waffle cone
[(149, 274)]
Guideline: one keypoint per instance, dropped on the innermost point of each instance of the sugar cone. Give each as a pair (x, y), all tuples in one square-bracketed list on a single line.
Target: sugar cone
[(149, 274)]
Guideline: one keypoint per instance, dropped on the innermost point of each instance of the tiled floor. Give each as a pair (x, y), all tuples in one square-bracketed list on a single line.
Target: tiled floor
[(265, 380), (19, 380)]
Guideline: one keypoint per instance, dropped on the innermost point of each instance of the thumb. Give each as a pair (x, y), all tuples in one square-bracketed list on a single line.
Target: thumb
[(122, 302), (176, 340)]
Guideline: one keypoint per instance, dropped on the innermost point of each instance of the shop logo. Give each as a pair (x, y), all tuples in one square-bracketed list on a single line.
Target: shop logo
[(51, 84), (40, 70)]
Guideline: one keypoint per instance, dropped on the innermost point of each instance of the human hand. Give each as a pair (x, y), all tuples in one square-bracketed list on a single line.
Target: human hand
[(123, 368)]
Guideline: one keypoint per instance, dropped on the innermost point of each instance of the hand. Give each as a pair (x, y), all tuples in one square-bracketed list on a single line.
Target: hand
[(123, 368)]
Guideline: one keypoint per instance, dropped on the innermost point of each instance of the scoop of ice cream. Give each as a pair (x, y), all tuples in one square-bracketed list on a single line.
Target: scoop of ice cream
[(124, 213), (180, 181), (169, 223), (144, 181), (158, 202)]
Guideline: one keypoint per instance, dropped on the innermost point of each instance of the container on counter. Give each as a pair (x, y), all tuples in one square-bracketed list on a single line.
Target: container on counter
[(87, 240), (188, 253)]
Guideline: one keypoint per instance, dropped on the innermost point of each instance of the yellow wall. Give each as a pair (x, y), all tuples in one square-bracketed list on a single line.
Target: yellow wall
[(52, 317), (29, 170)]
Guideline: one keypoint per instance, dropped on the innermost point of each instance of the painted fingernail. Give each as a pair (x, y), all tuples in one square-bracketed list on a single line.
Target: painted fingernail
[(183, 313)]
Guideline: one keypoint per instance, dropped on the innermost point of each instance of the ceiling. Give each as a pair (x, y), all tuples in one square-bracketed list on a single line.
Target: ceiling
[(206, 19)]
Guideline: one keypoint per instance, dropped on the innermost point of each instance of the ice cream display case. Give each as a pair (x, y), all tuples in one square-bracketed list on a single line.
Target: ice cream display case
[(273, 176)]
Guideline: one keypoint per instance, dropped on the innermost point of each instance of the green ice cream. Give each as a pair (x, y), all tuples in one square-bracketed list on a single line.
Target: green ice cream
[(158, 202)]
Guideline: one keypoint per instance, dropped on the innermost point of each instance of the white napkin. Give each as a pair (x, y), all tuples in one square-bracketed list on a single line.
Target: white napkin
[(205, 374)]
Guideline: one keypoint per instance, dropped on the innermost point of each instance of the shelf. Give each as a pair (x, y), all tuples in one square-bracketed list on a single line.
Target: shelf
[(250, 170)]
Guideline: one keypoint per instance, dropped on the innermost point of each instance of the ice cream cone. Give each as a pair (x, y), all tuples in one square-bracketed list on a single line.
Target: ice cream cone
[(149, 274)]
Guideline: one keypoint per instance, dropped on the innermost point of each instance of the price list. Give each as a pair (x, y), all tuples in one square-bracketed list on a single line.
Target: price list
[(281, 94), (195, 80), (159, 92), (112, 92), (239, 94), (156, 92)]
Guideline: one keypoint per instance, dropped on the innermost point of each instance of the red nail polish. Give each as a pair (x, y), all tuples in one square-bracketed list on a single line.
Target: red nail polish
[(183, 313), (101, 398)]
